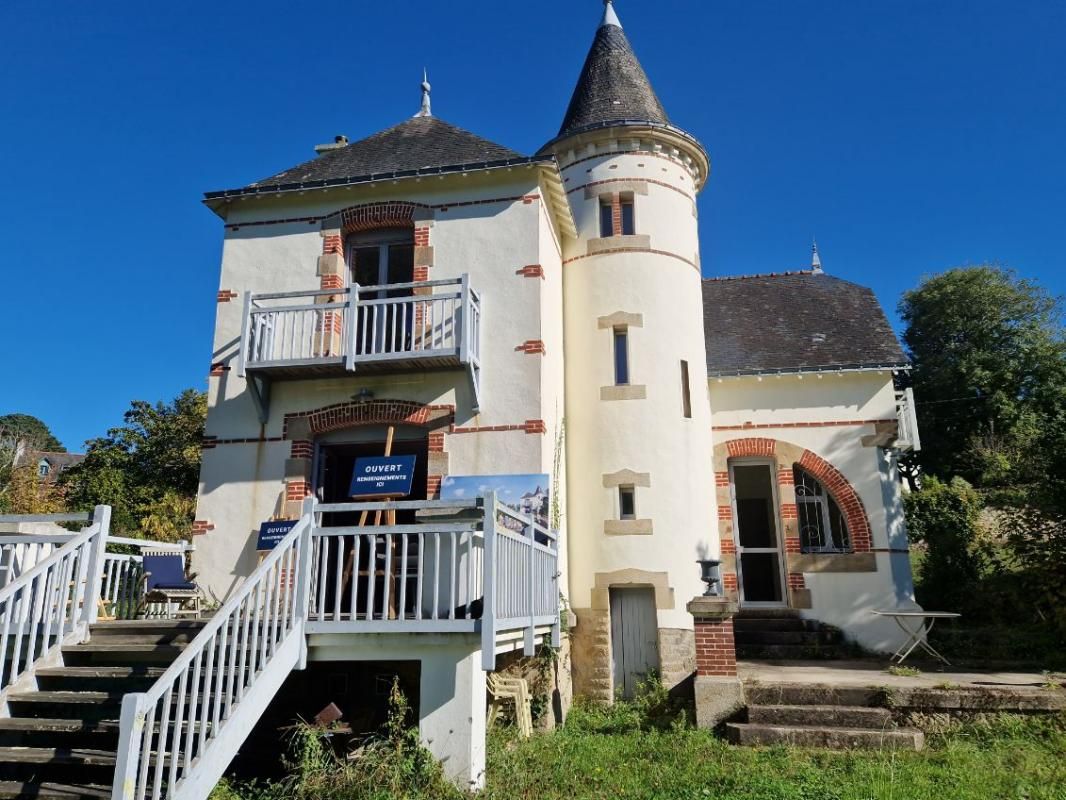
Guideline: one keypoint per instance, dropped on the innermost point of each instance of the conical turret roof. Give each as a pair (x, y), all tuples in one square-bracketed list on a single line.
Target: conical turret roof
[(613, 86)]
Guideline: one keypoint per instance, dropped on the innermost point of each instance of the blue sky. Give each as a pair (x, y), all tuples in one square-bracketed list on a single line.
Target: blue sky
[(907, 135)]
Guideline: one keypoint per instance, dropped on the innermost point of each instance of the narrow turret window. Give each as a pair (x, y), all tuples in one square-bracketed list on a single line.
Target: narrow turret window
[(628, 221), (686, 396), (606, 218), (627, 502), (621, 357)]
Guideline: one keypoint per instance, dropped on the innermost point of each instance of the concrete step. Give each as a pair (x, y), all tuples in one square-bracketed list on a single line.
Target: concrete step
[(772, 624), (829, 738), (828, 716), (98, 679), (27, 764), (65, 733), (121, 655), (803, 637), (791, 652), (17, 790), (767, 613), (812, 694)]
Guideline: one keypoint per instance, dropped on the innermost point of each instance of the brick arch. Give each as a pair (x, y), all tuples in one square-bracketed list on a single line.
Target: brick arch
[(788, 454), (370, 216), (373, 412)]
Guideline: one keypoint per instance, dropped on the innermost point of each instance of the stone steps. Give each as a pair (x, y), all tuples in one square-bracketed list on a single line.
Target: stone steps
[(829, 716), (782, 634), (828, 738)]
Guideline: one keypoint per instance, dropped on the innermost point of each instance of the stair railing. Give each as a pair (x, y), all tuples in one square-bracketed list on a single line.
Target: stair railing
[(176, 739), (51, 604)]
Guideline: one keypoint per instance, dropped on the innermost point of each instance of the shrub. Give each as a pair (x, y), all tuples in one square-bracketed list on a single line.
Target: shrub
[(652, 708), (945, 519)]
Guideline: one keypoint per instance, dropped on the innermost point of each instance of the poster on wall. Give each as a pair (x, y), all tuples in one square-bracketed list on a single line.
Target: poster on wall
[(526, 494), (382, 476), (271, 533)]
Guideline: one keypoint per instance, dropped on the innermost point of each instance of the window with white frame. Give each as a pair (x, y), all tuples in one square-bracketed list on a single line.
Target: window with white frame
[(822, 526), (43, 468)]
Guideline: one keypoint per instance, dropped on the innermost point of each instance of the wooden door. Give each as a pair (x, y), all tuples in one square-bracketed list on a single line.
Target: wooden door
[(634, 638)]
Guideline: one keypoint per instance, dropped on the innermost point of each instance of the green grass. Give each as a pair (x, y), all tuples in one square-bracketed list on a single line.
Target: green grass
[(1004, 758)]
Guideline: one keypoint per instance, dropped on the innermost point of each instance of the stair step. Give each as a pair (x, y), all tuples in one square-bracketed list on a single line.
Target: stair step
[(78, 765), (768, 613), (831, 738), (791, 652), (16, 790), (66, 705), (828, 716), (812, 694), (121, 655), (98, 678), (772, 624), (145, 626), (51, 732), (807, 638)]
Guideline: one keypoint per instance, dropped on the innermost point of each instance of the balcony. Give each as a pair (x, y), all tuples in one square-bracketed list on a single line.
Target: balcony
[(907, 437), (392, 328)]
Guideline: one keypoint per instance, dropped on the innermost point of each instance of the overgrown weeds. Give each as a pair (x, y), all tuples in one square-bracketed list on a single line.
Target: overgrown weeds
[(651, 708)]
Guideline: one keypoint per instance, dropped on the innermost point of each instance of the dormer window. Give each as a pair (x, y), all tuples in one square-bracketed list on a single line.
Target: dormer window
[(43, 468)]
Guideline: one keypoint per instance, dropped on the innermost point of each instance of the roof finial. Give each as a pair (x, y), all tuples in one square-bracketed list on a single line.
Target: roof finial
[(816, 260), (609, 17), (425, 112)]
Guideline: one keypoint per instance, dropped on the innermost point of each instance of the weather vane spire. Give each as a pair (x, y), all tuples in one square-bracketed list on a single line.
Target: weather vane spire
[(609, 15), (425, 112), (816, 260)]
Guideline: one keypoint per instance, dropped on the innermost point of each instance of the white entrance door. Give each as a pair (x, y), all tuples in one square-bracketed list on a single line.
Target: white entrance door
[(760, 566), (634, 638)]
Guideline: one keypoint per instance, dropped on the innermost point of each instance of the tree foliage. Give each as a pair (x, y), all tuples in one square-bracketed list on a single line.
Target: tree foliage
[(30, 431), (147, 469), (989, 375)]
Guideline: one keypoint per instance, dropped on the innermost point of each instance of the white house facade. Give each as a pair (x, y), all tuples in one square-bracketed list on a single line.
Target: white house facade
[(426, 292)]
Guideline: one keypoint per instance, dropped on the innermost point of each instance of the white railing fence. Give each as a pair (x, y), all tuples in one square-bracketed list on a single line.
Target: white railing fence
[(361, 324), (52, 603), (521, 578), (177, 738), (419, 576)]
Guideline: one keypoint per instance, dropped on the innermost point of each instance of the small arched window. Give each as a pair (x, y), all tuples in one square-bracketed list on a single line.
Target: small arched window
[(823, 528)]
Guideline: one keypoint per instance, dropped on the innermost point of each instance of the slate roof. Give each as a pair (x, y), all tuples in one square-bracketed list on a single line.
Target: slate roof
[(792, 322), (613, 87), (416, 144)]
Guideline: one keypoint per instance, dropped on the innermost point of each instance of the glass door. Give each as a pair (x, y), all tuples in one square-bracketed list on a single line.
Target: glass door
[(760, 567), (385, 319)]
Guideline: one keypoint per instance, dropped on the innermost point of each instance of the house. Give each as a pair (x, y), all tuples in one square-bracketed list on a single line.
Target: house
[(426, 292), (48, 465)]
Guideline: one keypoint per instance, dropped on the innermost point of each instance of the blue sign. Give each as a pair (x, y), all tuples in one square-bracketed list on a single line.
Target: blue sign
[(383, 476), (271, 533)]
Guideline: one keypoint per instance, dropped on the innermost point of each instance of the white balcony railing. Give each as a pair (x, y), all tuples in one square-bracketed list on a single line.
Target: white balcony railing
[(907, 437), (403, 322)]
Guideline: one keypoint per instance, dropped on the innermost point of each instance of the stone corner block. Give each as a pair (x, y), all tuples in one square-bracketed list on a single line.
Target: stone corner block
[(628, 392), (717, 699), (712, 608)]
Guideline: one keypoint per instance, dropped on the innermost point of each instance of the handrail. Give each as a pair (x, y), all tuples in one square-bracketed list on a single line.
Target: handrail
[(50, 604), (185, 729)]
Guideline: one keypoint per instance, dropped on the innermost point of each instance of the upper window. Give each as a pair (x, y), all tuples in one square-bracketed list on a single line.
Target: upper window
[(606, 218), (621, 357), (627, 502), (43, 468), (686, 394), (823, 528), (628, 222)]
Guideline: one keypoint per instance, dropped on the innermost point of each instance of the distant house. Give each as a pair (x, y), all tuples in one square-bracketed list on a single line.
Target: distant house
[(49, 464)]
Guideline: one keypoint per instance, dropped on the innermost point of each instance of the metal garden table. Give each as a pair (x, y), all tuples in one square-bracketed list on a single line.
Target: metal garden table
[(917, 636)]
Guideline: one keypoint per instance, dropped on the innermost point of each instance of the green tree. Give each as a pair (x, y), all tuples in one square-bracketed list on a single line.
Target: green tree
[(147, 469), (989, 375), (31, 431)]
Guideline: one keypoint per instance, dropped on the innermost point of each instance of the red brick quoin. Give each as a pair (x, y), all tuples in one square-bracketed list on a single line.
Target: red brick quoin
[(716, 653)]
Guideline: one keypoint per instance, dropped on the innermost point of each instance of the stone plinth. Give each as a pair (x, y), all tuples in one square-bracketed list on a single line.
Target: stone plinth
[(719, 692)]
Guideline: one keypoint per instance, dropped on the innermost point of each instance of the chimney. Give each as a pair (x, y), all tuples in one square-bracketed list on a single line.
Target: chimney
[(337, 143)]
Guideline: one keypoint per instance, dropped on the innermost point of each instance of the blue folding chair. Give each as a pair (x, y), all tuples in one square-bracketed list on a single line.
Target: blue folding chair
[(166, 582)]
